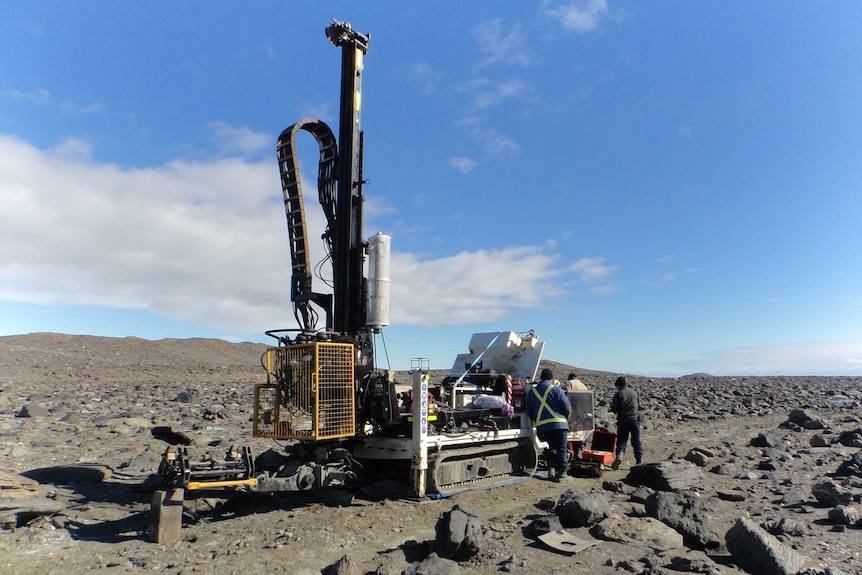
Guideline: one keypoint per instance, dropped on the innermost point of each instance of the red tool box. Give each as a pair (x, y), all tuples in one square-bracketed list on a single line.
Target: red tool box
[(602, 447)]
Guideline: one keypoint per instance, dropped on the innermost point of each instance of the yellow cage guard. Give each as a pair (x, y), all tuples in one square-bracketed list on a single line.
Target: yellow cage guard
[(309, 394)]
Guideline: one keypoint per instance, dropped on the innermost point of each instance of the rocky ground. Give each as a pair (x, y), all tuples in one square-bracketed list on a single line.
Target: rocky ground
[(785, 453)]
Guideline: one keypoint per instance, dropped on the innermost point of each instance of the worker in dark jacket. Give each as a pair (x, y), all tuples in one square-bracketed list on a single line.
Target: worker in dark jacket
[(549, 408), (625, 405)]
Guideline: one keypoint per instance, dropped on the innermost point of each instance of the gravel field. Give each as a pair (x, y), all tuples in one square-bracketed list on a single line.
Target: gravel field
[(781, 454)]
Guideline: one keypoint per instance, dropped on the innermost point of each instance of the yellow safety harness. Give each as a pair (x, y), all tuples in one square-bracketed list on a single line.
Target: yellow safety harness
[(543, 406)]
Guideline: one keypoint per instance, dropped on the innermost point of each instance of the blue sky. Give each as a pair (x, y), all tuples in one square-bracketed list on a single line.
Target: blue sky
[(657, 188)]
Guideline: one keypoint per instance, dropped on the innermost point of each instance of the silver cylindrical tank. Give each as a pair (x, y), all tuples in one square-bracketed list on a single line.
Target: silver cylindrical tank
[(378, 281)]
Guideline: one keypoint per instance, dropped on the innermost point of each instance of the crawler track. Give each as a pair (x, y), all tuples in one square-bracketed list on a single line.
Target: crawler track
[(457, 469)]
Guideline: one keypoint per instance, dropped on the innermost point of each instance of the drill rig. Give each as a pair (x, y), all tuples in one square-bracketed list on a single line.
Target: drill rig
[(340, 416)]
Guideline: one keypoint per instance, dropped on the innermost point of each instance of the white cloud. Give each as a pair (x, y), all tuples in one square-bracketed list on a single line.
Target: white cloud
[(207, 243), (424, 78), (471, 287), (240, 140), (592, 270), (581, 16), (501, 46), (321, 111), (496, 143), (603, 289), (39, 96), (486, 94), (75, 108), (43, 97), (596, 273), (496, 93), (74, 149), (80, 233), (462, 164)]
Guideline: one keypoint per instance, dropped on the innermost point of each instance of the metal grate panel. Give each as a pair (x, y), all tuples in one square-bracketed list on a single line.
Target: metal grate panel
[(309, 394)]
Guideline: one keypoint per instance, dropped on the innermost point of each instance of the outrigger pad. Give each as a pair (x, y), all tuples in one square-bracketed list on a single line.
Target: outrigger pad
[(166, 516), (565, 542)]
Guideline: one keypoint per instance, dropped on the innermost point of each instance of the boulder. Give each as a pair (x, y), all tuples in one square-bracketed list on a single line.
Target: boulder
[(12, 484), (32, 410), (645, 530), (786, 526), (793, 497), (756, 551), (698, 456), (731, 494), (18, 511), (844, 515), (694, 562), (683, 512), (830, 494), (852, 438), (434, 565), (459, 534), (801, 418), (582, 509), (641, 494), (818, 440), (671, 475), (343, 566), (614, 486), (798, 416), (767, 439), (546, 524), (851, 467)]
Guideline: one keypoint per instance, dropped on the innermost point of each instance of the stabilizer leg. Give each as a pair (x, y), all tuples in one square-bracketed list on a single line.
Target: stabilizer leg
[(166, 516)]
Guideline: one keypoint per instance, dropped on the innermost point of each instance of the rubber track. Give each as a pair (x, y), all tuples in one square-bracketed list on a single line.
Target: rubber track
[(436, 461)]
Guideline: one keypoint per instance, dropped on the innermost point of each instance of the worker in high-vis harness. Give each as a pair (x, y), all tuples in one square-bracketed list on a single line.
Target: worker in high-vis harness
[(549, 408)]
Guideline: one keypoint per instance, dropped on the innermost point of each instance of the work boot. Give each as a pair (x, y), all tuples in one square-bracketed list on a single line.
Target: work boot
[(552, 474), (617, 462), (562, 475)]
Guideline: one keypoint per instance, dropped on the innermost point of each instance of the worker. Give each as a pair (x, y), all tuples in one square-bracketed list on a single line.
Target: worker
[(549, 408), (625, 405), (574, 384)]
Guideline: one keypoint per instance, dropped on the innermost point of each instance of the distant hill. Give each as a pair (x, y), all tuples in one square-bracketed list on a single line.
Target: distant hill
[(42, 351)]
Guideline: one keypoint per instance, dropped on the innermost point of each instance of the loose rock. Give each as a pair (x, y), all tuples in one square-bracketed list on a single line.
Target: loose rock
[(683, 512), (434, 565), (459, 534), (830, 494), (767, 439), (32, 410), (844, 515), (343, 566), (758, 552), (645, 530), (673, 475), (582, 509)]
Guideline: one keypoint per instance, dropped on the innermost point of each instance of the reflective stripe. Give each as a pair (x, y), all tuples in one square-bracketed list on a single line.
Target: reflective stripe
[(543, 405)]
